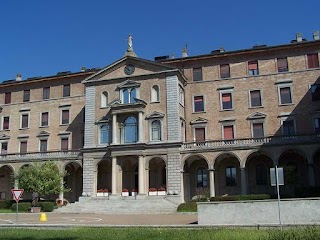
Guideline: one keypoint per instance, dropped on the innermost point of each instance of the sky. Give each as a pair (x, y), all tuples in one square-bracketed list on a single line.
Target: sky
[(43, 37)]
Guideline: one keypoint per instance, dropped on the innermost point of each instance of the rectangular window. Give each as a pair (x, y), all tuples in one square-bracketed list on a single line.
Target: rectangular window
[(43, 145), (255, 98), (26, 95), (44, 119), (66, 90), (198, 104), (257, 130), (64, 144), (313, 60), (317, 125), (315, 91), (197, 74), (288, 127), (285, 95), (200, 134), (282, 64), (4, 148), (5, 124), (65, 116), (24, 120), (253, 68), (225, 71), (7, 98), (23, 146), (46, 93), (226, 101), (228, 133)]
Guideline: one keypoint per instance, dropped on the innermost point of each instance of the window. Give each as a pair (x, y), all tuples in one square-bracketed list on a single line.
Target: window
[(257, 130), (43, 145), (104, 99), (255, 98), (155, 94), (231, 176), (197, 74), (200, 134), (6, 123), (285, 95), (26, 95), (253, 68), (130, 130), (282, 65), (156, 130), (24, 120), (23, 146), (317, 125), (65, 116), (261, 174), (46, 93), (44, 119), (226, 101), (225, 71), (104, 134), (288, 127), (64, 144), (7, 98), (129, 95), (228, 132), (313, 60), (66, 90), (181, 96), (4, 148), (198, 104), (202, 178), (315, 92)]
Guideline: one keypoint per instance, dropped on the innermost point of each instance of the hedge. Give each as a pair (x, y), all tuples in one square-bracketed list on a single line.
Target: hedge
[(46, 206), (187, 207), (6, 204), (241, 197), (23, 207)]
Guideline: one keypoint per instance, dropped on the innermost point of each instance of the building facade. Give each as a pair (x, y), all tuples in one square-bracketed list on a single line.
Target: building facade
[(209, 124)]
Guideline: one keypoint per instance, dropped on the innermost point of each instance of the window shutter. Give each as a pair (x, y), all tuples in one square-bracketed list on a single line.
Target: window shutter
[(200, 134), (23, 147), (228, 132), (252, 65), (65, 116), (64, 143), (7, 99), (44, 120), (313, 60), (225, 70), (226, 97)]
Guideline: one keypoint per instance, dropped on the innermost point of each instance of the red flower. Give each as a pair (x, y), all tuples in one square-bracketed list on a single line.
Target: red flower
[(161, 189), (134, 190), (152, 189), (125, 190)]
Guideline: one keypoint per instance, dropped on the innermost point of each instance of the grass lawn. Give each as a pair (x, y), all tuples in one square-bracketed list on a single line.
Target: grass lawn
[(159, 233), (6, 211)]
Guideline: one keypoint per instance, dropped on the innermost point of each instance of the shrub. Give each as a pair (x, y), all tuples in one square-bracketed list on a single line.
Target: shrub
[(187, 207), (241, 197), (303, 192), (46, 206), (6, 204), (23, 207)]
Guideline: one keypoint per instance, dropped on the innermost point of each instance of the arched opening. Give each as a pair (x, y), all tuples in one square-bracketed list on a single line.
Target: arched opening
[(130, 130), (316, 164), (6, 183), (73, 181), (104, 99), (157, 173), (104, 176), (155, 94), (130, 177)]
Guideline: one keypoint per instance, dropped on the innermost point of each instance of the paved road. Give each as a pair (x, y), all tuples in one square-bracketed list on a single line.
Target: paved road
[(99, 219)]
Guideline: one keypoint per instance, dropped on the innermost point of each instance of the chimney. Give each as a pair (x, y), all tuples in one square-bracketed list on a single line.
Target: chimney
[(299, 37), (18, 77), (83, 69), (316, 35), (184, 52), (222, 49), (172, 55)]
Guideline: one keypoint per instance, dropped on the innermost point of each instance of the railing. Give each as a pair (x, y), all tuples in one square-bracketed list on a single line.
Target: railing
[(250, 142), (41, 155)]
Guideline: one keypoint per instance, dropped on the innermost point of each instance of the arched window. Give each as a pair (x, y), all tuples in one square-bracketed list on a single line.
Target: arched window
[(104, 99), (130, 130), (128, 95), (202, 177), (104, 134), (155, 94), (231, 176), (261, 174), (156, 130)]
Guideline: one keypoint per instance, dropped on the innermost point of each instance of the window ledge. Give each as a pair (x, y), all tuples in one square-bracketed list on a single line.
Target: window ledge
[(155, 102), (286, 104), (226, 110), (105, 107), (27, 128), (44, 126), (5, 130), (198, 112), (256, 107), (65, 124)]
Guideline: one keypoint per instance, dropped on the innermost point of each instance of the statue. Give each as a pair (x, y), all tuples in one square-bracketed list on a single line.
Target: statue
[(130, 51), (130, 42)]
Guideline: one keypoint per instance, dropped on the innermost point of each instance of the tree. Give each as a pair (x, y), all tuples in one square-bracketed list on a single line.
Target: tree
[(41, 178)]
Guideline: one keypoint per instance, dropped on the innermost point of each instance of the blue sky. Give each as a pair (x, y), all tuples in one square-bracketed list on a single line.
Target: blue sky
[(41, 38)]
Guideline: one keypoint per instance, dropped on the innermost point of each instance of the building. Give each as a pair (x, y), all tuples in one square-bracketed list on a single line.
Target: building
[(215, 122)]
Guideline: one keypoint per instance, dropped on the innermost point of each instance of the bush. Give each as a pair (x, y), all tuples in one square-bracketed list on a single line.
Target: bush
[(6, 204), (187, 207), (46, 206), (241, 197), (303, 192), (23, 207)]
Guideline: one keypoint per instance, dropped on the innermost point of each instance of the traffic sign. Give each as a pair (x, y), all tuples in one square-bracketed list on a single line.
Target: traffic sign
[(17, 193)]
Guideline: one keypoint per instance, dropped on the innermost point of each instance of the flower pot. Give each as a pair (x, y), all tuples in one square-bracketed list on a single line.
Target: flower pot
[(125, 194), (35, 209), (134, 194), (161, 193), (153, 193), (99, 194), (106, 194)]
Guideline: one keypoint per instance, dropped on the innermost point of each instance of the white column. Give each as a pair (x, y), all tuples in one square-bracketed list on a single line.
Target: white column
[(140, 128), (211, 179), (114, 129), (311, 174), (243, 181), (141, 175), (114, 175)]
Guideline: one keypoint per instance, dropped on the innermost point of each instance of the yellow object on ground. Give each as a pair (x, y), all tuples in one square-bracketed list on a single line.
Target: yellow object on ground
[(43, 217)]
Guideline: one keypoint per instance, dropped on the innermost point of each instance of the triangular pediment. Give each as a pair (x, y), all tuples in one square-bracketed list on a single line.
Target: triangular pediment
[(257, 115), (128, 84), (155, 115), (4, 137), (103, 119), (199, 120), (43, 134)]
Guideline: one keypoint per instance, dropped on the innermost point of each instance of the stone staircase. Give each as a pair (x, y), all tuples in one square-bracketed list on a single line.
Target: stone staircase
[(122, 205)]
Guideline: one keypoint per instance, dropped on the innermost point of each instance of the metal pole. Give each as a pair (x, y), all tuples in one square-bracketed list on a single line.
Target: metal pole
[(277, 181), (17, 213)]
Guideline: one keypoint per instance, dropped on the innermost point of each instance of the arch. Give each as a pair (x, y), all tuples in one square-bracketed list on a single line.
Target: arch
[(104, 99), (104, 175), (130, 130), (256, 153), (6, 182), (155, 156), (293, 149), (155, 93), (194, 157), (157, 173), (73, 181), (64, 164), (222, 155)]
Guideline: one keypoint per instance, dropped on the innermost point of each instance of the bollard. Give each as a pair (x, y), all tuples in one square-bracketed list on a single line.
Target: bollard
[(43, 217)]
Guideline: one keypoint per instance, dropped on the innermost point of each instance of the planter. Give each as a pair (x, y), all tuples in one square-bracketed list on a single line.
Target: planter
[(134, 194), (99, 194), (35, 209), (106, 194), (161, 193), (125, 194), (153, 193)]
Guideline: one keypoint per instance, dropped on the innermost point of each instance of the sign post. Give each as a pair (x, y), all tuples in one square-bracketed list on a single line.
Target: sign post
[(17, 193), (277, 179)]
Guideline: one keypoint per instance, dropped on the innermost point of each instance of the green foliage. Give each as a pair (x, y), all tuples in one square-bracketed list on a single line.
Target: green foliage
[(302, 192), (6, 204), (187, 207), (308, 233), (46, 206), (241, 197), (23, 207)]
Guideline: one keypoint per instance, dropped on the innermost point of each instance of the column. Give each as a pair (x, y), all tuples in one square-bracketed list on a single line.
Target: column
[(140, 128), (243, 180), (211, 179), (311, 174), (141, 175), (114, 175), (114, 129)]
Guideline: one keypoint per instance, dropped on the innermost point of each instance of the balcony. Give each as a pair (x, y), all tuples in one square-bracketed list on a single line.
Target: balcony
[(252, 142), (74, 154)]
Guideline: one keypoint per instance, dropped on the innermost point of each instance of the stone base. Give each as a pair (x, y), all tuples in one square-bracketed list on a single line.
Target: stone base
[(141, 196), (114, 196), (84, 199)]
